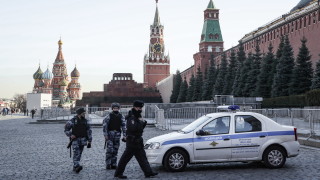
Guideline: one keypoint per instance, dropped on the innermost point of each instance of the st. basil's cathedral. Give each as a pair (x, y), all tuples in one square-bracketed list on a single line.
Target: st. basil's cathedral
[(64, 92)]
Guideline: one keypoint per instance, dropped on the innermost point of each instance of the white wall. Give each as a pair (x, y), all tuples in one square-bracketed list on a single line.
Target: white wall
[(165, 87), (38, 101)]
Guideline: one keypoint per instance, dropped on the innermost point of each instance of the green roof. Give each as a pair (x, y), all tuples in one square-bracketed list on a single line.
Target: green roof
[(211, 31), (211, 5)]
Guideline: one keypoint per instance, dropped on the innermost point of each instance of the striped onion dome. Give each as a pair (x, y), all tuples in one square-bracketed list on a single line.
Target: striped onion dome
[(38, 74), (47, 74), (63, 82), (75, 72)]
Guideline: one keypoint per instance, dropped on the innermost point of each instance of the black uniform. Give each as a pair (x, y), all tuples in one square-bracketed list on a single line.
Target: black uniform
[(134, 145)]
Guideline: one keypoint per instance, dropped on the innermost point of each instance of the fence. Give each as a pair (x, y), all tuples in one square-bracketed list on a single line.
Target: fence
[(306, 120), (53, 114)]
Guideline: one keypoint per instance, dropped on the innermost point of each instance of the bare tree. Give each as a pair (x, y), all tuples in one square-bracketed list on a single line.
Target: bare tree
[(20, 101)]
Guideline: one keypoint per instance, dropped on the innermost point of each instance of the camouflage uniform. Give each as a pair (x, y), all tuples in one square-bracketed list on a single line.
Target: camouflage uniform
[(78, 143), (113, 133)]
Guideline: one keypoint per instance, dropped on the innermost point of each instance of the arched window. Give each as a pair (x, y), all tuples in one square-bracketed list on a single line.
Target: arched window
[(216, 36), (210, 36), (305, 22)]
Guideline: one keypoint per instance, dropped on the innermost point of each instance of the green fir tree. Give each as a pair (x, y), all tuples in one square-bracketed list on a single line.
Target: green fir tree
[(252, 81), (316, 77), (244, 78), (302, 72), (197, 95), (241, 57), (183, 91), (176, 87), (231, 73), (220, 81), (191, 88), (211, 78), (265, 78), (283, 76)]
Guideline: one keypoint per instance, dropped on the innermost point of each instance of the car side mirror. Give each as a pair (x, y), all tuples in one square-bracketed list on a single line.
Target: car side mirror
[(200, 133)]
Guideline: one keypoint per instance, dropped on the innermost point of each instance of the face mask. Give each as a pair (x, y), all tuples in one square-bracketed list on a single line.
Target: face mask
[(116, 112)]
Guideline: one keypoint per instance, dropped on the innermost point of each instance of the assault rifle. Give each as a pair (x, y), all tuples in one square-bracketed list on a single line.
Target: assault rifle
[(69, 146)]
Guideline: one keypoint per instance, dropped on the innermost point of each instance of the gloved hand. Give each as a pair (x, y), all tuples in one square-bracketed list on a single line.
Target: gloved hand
[(124, 139), (89, 145)]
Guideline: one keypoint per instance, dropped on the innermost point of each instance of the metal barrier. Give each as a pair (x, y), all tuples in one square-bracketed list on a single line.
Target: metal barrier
[(53, 114), (306, 120)]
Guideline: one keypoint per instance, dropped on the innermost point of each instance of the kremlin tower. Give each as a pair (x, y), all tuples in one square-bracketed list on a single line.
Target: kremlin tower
[(156, 63), (57, 82)]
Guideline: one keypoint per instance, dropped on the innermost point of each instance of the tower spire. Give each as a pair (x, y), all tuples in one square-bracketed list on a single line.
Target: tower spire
[(60, 55), (211, 5), (156, 20)]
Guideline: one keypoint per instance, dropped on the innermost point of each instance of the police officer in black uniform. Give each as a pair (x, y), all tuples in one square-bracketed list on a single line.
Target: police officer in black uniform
[(134, 143)]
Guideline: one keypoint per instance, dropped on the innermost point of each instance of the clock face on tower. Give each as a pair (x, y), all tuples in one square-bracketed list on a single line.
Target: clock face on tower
[(157, 47)]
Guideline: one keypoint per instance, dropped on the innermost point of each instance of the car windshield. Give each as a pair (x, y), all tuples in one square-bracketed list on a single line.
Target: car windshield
[(194, 124)]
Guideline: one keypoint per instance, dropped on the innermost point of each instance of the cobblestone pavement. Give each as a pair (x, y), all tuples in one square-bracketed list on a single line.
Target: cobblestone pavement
[(38, 151)]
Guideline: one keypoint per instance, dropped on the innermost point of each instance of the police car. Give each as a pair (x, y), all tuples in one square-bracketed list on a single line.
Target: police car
[(225, 137)]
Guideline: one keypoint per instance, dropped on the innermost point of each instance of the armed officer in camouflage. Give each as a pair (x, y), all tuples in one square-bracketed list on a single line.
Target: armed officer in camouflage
[(135, 126), (113, 125), (79, 132)]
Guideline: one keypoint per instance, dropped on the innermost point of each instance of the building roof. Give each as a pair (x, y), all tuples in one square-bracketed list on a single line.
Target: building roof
[(47, 74), (301, 4), (38, 74), (211, 31), (156, 20), (211, 5), (60, 54), (75, 72), (63, 82)]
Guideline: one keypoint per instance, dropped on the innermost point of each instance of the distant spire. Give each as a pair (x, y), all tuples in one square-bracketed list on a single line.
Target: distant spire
[(60, 55), (156, 16), (211, 5)]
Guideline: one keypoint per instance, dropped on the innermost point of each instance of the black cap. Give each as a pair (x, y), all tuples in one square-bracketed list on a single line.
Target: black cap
[(80, 111), (138, 103), (113, 105)]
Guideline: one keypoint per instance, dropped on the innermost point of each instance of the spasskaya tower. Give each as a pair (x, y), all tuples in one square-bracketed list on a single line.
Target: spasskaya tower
[(156, 64)]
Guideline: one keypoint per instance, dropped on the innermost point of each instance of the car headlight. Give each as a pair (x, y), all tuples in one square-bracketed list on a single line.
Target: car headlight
[(153, 145)]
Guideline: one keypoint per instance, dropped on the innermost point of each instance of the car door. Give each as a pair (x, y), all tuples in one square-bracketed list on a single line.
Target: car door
[(215, 142), (248, 137)]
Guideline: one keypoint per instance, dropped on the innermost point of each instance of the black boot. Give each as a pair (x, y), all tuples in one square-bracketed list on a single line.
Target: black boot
[(108, 166), (78, 169), (114, 167), (120, 176), (151, 175)]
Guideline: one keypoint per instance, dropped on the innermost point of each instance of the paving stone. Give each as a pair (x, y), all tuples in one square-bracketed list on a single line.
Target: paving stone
[(38, 151)]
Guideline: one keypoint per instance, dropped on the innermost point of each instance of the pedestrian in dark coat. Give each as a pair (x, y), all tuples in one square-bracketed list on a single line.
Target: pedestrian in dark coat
[(134, 143)]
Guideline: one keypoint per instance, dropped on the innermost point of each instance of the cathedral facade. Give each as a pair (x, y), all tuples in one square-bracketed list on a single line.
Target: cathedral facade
[(64, 91)]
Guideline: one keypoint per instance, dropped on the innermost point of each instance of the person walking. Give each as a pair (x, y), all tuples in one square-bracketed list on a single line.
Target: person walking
[(134, 143), (33, 111), (113, 125), (80, 134)]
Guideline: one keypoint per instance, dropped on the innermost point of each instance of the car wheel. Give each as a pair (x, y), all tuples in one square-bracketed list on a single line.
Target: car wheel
[(175, 160), (274, 157)]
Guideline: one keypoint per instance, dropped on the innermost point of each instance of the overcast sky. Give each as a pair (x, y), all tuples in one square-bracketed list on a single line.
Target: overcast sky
[(111, 36)]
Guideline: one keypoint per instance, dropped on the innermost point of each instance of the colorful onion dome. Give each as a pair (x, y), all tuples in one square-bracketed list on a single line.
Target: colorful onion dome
[(38, 74), (75, 72), (63, 83), (47, 74)]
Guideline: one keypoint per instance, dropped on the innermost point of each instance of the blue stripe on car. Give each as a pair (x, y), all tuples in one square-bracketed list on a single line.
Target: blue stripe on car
[(232, 136)]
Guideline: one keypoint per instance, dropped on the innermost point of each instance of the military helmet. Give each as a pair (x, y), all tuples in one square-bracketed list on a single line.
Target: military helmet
[(115, 105)]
